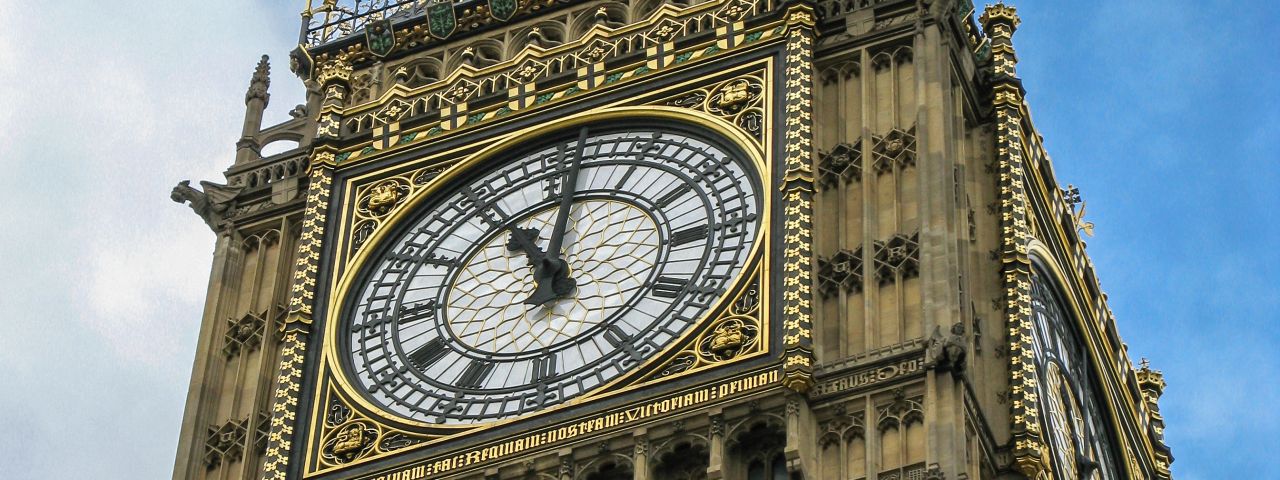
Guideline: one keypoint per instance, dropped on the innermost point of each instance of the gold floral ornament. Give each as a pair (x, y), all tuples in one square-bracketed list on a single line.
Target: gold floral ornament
[(349, 441), (392, 112), (347, 436), (665, 31), (739, 100)]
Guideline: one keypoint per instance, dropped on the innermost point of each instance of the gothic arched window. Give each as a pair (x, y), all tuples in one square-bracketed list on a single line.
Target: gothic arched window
[(759, 449), (686, 461)]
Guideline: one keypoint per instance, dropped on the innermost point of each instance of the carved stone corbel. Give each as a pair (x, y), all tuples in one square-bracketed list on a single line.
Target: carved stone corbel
[(212, 204), (947, 353)]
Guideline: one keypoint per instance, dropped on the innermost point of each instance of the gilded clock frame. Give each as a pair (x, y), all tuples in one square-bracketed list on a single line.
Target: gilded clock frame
[(331, 385)]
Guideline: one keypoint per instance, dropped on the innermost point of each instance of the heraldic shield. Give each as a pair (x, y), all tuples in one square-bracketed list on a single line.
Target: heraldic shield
[(441, 20), (503, 10), (380, 37)]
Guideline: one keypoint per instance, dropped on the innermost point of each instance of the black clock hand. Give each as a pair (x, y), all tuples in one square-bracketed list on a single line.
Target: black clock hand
[(566, 197), (526, 240), (552, 275)]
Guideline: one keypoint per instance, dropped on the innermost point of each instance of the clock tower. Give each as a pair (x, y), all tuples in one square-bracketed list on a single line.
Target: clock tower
[(596, 240)]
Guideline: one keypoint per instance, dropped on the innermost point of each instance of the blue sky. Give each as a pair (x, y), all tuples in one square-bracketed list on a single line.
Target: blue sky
[(1164, 113)]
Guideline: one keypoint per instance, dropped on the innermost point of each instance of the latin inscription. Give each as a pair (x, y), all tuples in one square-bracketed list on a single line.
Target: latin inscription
[(867, 377), (616, 418)]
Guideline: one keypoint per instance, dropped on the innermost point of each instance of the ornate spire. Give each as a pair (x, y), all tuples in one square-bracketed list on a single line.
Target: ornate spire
[(260, 82), (1151, 383)]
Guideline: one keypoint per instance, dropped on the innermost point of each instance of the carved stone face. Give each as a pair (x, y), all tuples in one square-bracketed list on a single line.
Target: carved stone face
[(894, 146), (897, 254)]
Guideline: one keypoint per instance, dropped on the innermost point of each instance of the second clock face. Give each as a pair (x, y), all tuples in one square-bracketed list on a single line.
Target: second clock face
[(543, 276)]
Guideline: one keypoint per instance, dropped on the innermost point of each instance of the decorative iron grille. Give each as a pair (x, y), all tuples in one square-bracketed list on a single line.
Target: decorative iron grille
[(334, 19)]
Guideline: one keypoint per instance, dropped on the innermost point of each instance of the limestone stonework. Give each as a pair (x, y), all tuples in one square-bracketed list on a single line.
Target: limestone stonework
[(920, 304)]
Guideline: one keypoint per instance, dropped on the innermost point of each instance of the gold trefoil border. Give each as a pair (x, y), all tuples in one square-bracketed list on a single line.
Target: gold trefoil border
[(797, 205), (1029, 450)]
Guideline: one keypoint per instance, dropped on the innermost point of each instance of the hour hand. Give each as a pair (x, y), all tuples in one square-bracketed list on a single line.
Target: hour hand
[(552, 277), (525, 240)]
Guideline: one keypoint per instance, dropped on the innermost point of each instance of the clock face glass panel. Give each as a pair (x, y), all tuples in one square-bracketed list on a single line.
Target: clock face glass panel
[(467, 315), (1078, 435)]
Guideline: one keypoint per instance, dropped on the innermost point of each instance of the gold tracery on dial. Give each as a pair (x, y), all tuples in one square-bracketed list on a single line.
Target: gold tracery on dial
[(627, 246)]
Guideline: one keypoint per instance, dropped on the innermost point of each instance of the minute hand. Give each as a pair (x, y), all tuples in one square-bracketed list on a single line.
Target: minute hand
[(566, 197), (552, 273)]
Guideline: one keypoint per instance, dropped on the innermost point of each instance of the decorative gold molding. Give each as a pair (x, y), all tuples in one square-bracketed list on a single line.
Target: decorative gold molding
[(738, 100), (737, 333), (378, 201), (297, 326), (361, 188), (586, 56), (1031, 456), (797, 204), (348, 436), (702, 95)]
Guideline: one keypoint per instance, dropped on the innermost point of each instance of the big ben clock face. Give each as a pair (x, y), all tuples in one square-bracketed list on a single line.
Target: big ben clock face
[(548, 273), (1079, 438)]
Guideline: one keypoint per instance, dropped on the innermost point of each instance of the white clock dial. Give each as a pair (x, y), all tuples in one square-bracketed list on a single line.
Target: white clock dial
[(542, 276)]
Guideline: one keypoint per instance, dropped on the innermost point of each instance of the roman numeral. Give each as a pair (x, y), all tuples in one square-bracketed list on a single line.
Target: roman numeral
[(475, 374), (665, 200), (552, 187), (691, 234), (386, 378), (615, 336), (620, 340), (489, 211), (418, 311), (427, 354), (669, 287), (543, 369), (428, 259), (625, 176)]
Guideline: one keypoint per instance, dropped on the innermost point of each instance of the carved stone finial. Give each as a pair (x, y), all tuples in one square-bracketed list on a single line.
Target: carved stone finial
[(602, 16), (1150, 381), (335, 71), (260, 82), (536, 38), (468, 56), (1000, 14)]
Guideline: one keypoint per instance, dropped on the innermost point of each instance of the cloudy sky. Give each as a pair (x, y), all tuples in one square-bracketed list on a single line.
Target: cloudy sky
[(1165, 113)]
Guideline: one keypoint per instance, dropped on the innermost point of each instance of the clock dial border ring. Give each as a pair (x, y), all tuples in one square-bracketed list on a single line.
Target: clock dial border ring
[(341, 298)]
